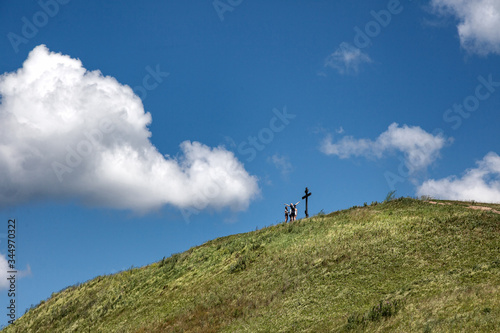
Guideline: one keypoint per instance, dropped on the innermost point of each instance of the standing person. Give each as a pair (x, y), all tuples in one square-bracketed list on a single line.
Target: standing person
[(293, 208), (286, 213)]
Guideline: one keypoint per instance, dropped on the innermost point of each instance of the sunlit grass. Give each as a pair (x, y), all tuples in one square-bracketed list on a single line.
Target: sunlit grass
[(404, 265)]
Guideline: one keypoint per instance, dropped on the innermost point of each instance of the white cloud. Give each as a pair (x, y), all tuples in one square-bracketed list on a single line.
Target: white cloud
[(480, 184), (66, 132), (347, 59), (282, 163), (479, 23), (420, 148), (4, 268), (24, 273)]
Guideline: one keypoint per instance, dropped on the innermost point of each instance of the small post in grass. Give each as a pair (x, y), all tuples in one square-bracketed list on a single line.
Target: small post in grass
[(305, 197)]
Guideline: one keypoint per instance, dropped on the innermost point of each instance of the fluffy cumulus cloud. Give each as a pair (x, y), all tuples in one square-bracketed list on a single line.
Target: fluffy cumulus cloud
[(347, 59), (66, 132), (479, 23), (480, 184), (419, 147)]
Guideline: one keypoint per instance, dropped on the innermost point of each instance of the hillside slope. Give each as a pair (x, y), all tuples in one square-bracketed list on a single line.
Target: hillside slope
[(405, 265)]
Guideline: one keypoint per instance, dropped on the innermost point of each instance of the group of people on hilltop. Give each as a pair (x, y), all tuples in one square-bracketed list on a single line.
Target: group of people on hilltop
[(292, 212)]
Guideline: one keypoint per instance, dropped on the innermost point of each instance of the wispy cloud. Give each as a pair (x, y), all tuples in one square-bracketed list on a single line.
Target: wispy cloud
[(26, 272), (66, 132), (347, 59), (282, 163), (479, 23), (419, 147), (480, 184)]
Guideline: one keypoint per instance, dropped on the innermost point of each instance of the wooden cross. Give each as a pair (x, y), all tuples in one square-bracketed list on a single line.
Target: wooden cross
[(305, 197)]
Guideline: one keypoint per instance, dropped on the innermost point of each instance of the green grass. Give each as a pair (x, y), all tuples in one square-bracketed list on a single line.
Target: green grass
[(404, 265)]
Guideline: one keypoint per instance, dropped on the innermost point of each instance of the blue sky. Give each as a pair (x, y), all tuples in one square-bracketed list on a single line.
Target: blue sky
[(133, 130)]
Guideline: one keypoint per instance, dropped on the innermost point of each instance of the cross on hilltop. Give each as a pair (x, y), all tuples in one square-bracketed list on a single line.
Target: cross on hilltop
[(308, 194)]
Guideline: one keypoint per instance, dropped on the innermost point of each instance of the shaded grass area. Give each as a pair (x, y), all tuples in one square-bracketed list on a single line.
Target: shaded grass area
[(404, 265)]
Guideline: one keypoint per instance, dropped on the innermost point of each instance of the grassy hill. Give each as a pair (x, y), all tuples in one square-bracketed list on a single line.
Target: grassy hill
[(405, 265)]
